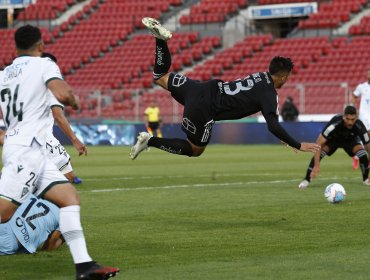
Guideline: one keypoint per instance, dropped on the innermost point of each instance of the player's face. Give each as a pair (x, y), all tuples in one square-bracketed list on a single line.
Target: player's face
[(282, 80), (349, 120)]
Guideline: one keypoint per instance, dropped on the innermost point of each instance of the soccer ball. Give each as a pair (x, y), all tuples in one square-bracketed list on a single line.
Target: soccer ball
[(335, 193)]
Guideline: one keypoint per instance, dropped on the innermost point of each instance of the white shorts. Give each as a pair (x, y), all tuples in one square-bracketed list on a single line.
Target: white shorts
[(57, 153), (67, 168), (366, 121), (26, 170)]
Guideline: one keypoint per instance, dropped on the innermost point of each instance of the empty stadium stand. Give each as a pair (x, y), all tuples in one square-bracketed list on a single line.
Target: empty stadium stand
[(332, 14), (211, 11)]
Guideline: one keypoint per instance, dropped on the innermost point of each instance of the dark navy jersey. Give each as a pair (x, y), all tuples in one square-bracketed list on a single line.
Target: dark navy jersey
[(336, 131), (241, 98)]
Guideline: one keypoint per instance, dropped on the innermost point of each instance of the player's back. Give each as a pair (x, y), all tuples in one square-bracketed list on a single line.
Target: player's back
[(24, 98), (242, 98), (33, 221)]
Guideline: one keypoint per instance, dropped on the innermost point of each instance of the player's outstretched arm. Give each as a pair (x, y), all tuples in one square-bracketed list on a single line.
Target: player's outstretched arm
[(64, 93), (64, 125), (310, 147), (2, 135)]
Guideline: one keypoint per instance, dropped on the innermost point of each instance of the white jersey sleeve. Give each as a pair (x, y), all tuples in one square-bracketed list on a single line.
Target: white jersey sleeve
[(24, 98), (363, 90), (53, 101)]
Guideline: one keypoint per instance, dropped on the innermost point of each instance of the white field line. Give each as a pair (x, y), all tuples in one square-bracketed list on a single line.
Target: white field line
[(204, 185), (209, 175)]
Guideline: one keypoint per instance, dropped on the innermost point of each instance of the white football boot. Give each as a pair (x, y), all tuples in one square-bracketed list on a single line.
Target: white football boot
[(157, 29), (141, 144), (367, 182), (304, 184)]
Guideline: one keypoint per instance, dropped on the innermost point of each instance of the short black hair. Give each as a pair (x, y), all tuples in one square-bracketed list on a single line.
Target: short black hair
[(350, 110), (27, 36), (49, 55), (280, 64)]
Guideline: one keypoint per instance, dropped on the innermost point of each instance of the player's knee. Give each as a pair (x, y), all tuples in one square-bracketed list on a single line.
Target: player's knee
[(162, 81), (197, 151)]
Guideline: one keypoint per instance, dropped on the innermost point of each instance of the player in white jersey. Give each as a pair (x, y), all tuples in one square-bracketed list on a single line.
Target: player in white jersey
[(56, 152), (35, 225), (24, 86), (363, 91)]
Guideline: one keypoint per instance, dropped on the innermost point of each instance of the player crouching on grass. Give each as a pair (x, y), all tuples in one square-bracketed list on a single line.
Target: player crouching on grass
[(215, 100), (344, 131), (33, 226)]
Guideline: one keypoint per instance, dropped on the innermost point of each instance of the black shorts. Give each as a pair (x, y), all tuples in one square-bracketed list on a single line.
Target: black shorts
[(153, 125), (347, 146), (197, 99)]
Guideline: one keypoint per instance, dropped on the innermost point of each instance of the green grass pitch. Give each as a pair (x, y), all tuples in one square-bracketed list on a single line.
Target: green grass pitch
[(233, 213)]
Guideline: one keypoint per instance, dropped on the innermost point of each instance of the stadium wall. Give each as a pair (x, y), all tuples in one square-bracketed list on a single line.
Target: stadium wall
[(223, 133)]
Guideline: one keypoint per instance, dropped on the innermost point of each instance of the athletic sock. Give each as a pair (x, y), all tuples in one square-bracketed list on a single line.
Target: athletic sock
[(71, 229), (173, 146), (311, 165), (162, 59), (364, 163)]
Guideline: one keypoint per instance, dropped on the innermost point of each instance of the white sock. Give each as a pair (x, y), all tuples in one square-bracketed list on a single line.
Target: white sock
[(71, 229)]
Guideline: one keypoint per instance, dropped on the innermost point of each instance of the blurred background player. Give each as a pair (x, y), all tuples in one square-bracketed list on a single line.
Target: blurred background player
[(35, 225), (344, 131), (363, 90), (289, 111), (214, 100), (56, 152), (153, 119)]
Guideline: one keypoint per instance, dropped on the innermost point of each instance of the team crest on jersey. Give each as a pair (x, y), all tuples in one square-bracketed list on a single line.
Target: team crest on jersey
[(178, 80), (24, 192), (20, 168), (188, 125)]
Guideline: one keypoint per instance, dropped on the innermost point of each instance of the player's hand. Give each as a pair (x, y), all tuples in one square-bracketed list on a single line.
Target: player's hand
[(310, 147), (80, 147), (294, 149), (315, 172), (77, 103)]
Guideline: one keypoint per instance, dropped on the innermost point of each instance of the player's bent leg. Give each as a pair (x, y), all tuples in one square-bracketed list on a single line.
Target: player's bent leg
[(163, 81), (156, 29), (7, 209), (307, 179), (197, 150), (360, 152), (63, 195), (140, 145)]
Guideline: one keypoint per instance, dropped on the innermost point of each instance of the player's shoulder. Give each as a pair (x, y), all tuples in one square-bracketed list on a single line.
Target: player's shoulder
[(359, 124), (336, 119), (364, 85)]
